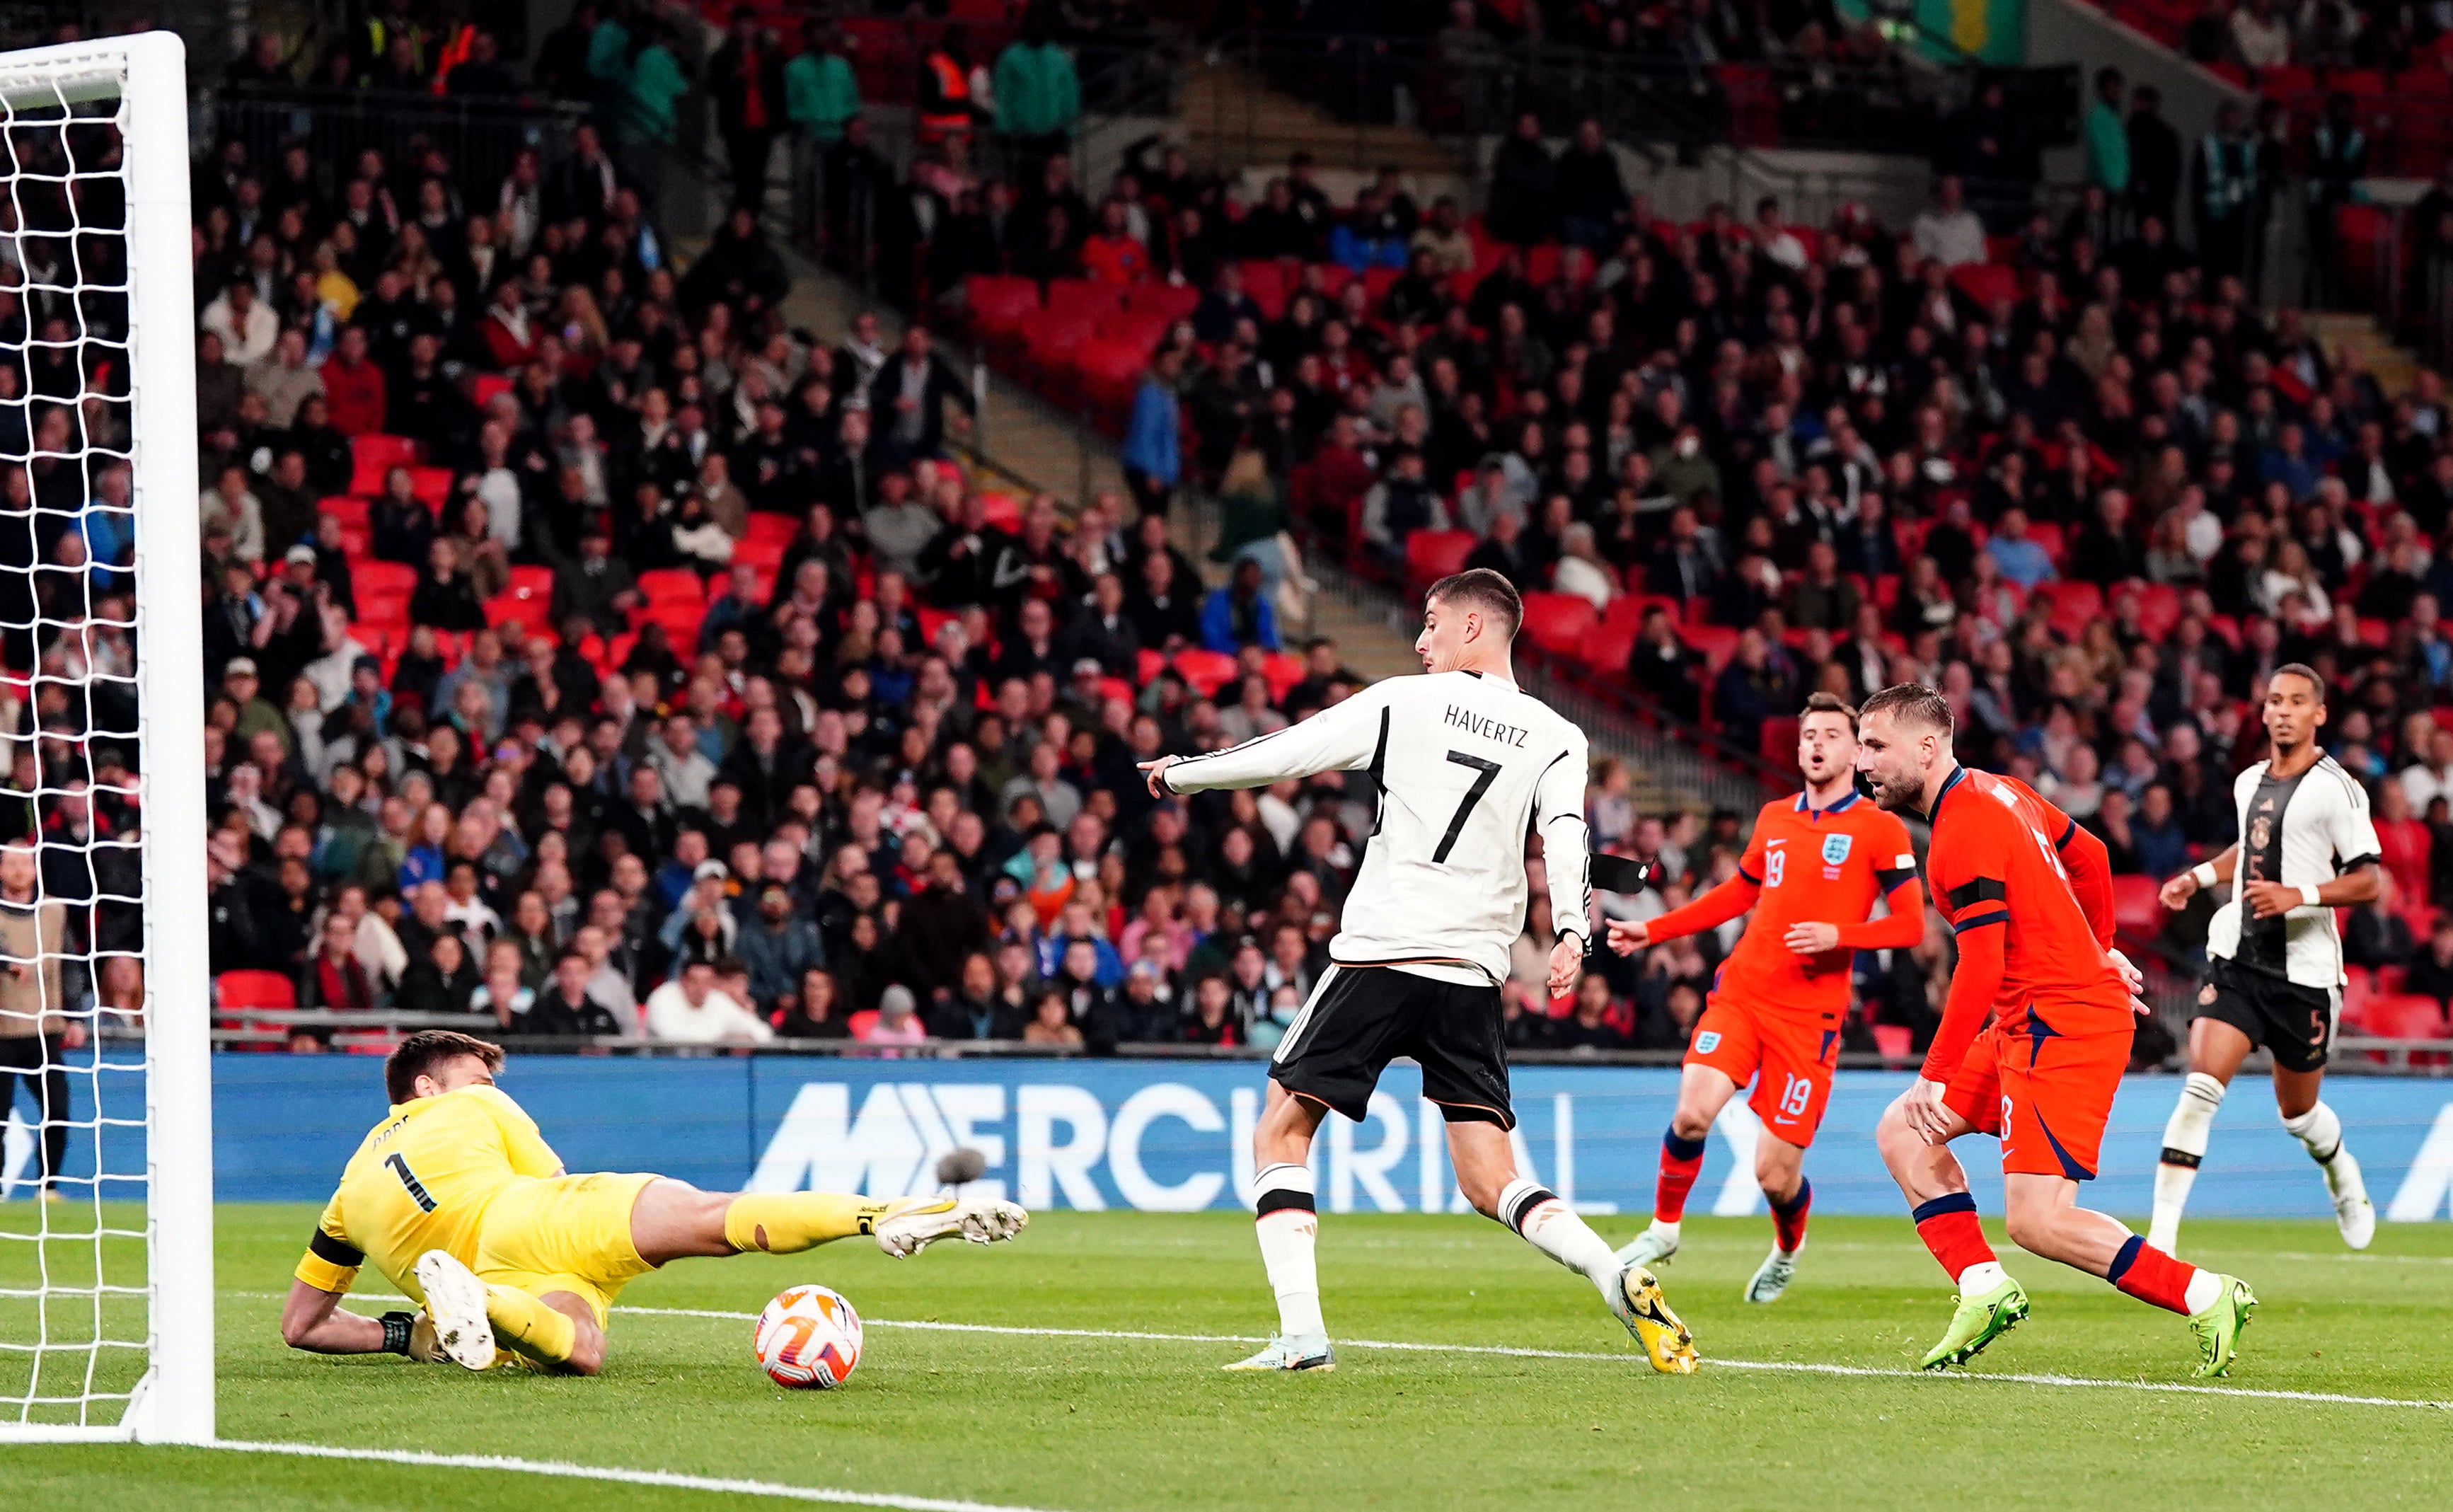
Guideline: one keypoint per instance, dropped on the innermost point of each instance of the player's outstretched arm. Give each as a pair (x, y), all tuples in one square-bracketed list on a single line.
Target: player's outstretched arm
[(314, 1320), (2176, 891), (1716, 907), (1341, 738)]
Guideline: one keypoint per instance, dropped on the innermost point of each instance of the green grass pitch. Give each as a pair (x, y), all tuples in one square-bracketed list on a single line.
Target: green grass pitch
[(1105, 1424)]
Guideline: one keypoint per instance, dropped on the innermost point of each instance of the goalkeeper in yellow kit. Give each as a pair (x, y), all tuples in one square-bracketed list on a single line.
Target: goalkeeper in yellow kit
[(460, 1203)]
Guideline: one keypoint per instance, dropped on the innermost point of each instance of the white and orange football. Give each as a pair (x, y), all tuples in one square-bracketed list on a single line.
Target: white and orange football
[(807, 1337)]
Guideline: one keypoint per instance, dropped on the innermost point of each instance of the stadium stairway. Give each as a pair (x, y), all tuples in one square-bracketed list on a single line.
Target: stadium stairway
[(1233, 118), (2348, 334)]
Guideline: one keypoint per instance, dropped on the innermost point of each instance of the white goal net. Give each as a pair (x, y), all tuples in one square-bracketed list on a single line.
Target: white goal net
[(105, 1237)]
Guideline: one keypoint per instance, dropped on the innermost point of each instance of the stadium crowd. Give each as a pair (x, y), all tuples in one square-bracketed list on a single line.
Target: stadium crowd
[(589, 651)]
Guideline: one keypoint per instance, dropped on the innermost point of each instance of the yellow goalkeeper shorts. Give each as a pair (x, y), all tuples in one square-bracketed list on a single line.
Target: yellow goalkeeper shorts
[(563, 1233)]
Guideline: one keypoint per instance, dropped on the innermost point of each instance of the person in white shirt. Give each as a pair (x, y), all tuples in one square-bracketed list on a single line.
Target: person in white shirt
[(1463, 765), (1947, 230), (2423, 783), (689, 1011)]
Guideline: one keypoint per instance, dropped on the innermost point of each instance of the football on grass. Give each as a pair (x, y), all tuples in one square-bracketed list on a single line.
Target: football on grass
[(807, 1337)]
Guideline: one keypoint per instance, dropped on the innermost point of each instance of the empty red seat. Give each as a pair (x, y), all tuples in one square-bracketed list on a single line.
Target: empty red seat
[(1984, 283), (487, 387), (1894, 1042), (516, 608), (1206, 671), (254, 989), (2070, 605), (536, 580), (381, 578), (1716, 644), (1266, 282), (1614, 639), (430, 486), (1109, 367), (383, 451), (350, 511), (2406, 1016), (383, 609), (671, 586), (1053, 336), (1171, 302), (1777, 744), (1081, 297), (2135, 911), (779, 529), (1142, 329), (1434, 554), (1556, 622), (998, 304)]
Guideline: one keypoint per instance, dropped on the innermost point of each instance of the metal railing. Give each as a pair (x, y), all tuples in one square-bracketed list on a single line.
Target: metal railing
[(480, 138)]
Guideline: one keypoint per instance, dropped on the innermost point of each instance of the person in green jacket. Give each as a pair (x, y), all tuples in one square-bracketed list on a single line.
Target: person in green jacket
[(609, 66), (1038, 95), (652, 87), (2107, 137), (819, 94)]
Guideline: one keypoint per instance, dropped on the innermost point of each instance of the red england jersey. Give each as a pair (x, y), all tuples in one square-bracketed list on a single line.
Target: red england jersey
[(1808, 865), (1995, 863)]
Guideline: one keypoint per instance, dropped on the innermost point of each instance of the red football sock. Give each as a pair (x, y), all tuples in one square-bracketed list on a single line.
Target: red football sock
[(1789, 1218), (1681, 1161), (2151, 1276), (1949, 1227)]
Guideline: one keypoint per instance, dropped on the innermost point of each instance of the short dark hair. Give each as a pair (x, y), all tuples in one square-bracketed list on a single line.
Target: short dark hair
[(2316, 679), (1830, 704), (1482, 588), (421, 1052), (1913, 704)]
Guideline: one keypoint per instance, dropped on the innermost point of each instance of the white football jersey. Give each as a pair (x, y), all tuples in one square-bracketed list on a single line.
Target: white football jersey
[(2301, 831), (1466, 765)]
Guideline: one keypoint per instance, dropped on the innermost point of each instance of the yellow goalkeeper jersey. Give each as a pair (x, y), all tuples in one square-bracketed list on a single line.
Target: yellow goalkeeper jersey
[(422, 1179)]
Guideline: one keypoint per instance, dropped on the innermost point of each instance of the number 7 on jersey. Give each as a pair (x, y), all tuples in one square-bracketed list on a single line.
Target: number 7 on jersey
[(1490, 770)]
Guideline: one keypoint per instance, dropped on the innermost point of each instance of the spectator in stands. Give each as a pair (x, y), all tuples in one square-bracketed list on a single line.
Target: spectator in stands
[(1948, 231), (911, 390), (2431, 969), (689, 1009), (1151, 464), (2157, 164), (1524, 187), (1038, 95), (2106, 136), (2261, 35), (1240, 614)]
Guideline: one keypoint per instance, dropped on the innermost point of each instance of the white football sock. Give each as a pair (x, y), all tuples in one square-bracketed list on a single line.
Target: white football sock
[(1666, 1229), (1551, 1227), (2204, 1288), (1287, 1227), (1978, 1280), (2184, 1146), (2320, 1132)]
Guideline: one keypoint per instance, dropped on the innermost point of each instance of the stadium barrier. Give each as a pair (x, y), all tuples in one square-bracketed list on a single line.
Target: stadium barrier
[(1175, 1136)]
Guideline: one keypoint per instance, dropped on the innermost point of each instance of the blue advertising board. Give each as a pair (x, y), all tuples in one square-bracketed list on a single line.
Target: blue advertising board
[(1176, 1136)]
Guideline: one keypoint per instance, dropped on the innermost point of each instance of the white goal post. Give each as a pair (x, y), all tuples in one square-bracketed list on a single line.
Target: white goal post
[(97, 1341)]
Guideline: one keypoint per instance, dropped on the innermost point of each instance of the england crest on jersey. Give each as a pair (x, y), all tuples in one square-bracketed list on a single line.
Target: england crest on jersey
[(1835, 849)]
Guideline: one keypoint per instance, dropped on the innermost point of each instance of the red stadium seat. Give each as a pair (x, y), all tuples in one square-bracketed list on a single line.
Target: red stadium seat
[(1778, 742), (1109, 368), (2070, 605), (998, 304), (352, 511), (386, 610), (383, 578), (1716, 644), (1284, 669), (671, 586), (1051, 337), (514, 607), (1894, 1042), (1147, 664), (2406, 1016), (1556, 622), (430, 486), (254, 989), (487, 386), (1140, 329), (859, 1024), (1266, 282), (1206, 671), (1433, 555), (534, 581), (2135, 911), (1614, 639), (779, 529), (1984, 283), (1081, 297), (380, 452), (2159, 610), (1171, 302)]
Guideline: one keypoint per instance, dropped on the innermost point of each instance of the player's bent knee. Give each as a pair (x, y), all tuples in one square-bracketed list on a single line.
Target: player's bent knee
[(1690, 1123)]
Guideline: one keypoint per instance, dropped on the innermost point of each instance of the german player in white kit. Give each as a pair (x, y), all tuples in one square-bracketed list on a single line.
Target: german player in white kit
[(1466, 764), (2274, 962)]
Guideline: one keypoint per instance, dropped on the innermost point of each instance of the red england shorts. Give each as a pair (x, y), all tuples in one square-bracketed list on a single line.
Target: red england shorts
[(1789, 1057), (2046, 1097)]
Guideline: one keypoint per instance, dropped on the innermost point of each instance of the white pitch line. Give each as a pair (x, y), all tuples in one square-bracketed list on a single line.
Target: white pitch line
[(1794, 1366), (665, 1479), (1791, 1366)]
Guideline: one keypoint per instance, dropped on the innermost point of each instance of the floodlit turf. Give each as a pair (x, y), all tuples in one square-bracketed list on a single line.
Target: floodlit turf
[(1083, 1424)]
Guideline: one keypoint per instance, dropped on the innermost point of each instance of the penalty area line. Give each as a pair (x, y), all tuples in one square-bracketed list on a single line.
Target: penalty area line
[(664, 1480)]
